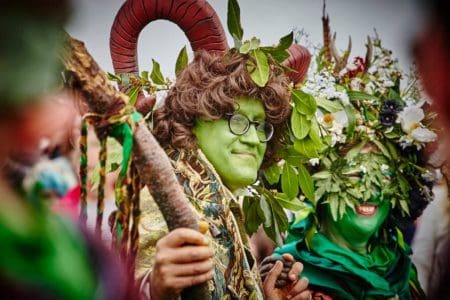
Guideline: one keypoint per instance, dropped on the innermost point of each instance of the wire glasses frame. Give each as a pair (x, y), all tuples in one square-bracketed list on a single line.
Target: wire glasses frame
[(239, 124)]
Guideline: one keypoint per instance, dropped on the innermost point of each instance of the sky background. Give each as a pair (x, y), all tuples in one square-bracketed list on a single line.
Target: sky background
[(396, 22)]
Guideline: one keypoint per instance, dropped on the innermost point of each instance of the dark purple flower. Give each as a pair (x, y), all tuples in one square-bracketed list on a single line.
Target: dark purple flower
[(391, 105), (387, 118)]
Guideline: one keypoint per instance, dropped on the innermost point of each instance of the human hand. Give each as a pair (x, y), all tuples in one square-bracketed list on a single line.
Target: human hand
[(183, 259), (281, 278)]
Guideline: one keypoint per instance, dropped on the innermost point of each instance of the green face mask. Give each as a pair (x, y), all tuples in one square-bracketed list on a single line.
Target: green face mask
[(236, 158), (355, 228)]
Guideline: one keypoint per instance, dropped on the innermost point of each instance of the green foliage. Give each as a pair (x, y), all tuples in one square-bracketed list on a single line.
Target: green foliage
[(234, 22), (304, 103), (258, 67), (182, 61), (156, 74)]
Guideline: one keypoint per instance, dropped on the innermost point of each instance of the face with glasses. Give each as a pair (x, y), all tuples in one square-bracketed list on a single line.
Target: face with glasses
[(235, 144)]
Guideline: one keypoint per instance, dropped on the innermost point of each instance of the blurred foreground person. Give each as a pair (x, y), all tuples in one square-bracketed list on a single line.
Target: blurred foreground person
[(43, 256), (432, 242)]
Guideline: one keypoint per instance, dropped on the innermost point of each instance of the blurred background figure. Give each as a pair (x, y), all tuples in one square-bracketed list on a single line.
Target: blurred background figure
[(432, 241), (44, 256)]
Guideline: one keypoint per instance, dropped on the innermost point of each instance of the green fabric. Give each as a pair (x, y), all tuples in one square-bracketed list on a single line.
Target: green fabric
[(343, 274), (42, 251)]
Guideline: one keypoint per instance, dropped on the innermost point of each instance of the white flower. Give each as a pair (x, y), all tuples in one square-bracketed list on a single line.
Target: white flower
[(363, 169), (384, 168), (428, 176), (314, 161), (423, 135), (410, 118)]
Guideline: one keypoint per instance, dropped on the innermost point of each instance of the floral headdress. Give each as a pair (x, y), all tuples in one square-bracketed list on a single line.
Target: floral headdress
[(340, 111)]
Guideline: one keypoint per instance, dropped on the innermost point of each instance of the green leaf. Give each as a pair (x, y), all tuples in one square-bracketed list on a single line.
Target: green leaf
[(392, 150), (234, 19), (382, 148), (330, 106), (300, 125), (251, 207), (254, 43), (286, 41), (334, 203), (306, 147), (306, 182), (144, 75), (245, 47), (289, 181), (314, 132), (114, 77), (260, 72), (182, 61), (132, 95), (304, 103), (395, 96), (357, 95), (278, 55), (156, 74), (293, 204), (322, 175), (351, 120), (267, 211), (355, 151), (272, 174), (295, 159)]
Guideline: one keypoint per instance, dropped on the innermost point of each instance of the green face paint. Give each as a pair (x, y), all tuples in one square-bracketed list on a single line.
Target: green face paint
[(236, 158), (355, 228)]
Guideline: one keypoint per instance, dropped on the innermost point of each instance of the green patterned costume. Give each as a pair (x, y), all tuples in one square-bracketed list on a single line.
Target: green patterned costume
[(236, 274)]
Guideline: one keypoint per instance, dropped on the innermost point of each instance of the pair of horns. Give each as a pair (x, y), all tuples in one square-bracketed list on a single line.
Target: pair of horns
[(196, 18)]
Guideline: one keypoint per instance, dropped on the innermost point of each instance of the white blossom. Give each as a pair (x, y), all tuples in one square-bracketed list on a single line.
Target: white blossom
[(314, 161), (384, 168)]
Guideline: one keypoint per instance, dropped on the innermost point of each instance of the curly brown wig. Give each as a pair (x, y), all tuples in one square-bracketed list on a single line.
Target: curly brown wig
[(208, 88)]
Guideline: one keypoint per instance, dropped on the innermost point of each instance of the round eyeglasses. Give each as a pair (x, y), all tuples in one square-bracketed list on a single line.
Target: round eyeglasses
[(239, 124)]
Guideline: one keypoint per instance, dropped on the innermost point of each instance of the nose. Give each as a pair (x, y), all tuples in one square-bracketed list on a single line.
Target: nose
[(251, 136)]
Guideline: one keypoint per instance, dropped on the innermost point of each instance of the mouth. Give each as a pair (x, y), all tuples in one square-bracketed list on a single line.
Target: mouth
[(366, 209), (245, 153)]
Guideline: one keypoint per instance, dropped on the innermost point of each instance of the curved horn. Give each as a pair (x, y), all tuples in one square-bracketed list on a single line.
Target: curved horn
[(196, 18), (299, 60)]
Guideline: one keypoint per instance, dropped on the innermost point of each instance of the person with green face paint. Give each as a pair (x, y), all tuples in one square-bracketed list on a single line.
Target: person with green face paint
[(219, 128), (368, 177)]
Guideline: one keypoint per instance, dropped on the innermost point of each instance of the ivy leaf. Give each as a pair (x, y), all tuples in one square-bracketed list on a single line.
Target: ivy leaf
[(272, 174), (304, 103), (156, 74), (306, 182), (300, 125), (234, 20), (182, 61), (293, 204), (289, 181), (259, 72), (329, 106), (132, 95)]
